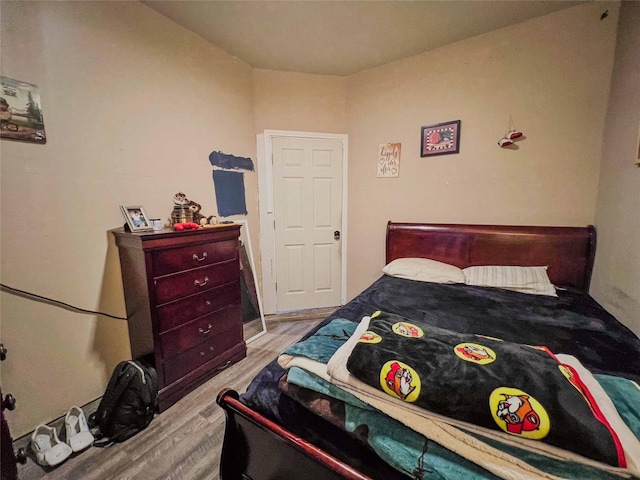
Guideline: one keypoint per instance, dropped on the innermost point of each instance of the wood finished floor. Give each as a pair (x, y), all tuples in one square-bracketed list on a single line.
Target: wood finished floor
[(184, 442)]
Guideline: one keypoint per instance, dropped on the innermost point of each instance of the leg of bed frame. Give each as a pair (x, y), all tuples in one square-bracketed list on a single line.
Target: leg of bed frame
[(256, 448)]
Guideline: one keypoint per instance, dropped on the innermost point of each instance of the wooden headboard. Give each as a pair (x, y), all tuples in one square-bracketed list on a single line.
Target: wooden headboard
[(568, 252)]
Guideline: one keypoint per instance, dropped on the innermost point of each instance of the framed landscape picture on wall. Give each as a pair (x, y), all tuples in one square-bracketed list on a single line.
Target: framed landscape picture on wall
[(440, 139), (20, 111)]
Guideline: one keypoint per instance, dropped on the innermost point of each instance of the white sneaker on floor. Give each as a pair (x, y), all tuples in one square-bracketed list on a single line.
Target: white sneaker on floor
[(77, 430), (47, 446)]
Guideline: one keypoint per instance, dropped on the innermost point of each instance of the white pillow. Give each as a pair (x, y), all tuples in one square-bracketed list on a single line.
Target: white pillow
[(532, 280), (424, 270)]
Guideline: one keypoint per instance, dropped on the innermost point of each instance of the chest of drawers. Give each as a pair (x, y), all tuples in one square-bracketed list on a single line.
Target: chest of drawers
[(182, 291)]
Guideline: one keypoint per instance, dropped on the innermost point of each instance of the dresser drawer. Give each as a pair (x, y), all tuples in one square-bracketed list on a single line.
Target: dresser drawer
[(174, 314), (183, 363), (173, 287), (200, 330), (192, 256)]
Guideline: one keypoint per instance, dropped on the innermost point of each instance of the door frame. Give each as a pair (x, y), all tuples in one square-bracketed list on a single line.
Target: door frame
[(267, 237)]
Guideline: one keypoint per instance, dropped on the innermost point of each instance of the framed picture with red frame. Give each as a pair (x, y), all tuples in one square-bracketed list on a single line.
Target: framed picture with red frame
[(440, 139)]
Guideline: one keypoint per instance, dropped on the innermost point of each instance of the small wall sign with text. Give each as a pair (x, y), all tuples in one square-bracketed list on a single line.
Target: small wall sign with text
[(440, 139), (389, 159)]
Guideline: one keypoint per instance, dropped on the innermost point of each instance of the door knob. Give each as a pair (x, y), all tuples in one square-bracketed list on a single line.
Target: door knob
[(9, 402), (336, 235), (21, 456)]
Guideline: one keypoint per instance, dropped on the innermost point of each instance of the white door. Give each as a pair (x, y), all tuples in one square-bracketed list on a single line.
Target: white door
[(307, 200)]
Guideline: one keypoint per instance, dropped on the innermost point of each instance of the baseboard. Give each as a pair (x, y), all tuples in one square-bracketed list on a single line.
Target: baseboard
[(58, 423)]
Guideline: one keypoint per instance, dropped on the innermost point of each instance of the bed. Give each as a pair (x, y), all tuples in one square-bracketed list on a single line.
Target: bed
[(289, 428)]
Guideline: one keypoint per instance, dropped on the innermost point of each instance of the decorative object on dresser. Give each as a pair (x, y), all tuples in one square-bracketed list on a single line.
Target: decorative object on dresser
[(182, 291), (181, 212), (185, 210), (137, 219)]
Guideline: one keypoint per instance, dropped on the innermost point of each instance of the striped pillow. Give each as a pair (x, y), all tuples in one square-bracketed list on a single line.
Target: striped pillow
[(533, 280)]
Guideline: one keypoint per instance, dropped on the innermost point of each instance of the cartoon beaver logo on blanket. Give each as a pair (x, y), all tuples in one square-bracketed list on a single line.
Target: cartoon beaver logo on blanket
[(399, 380), (517, 413), (407, 329), (370, 337), (475, 353)]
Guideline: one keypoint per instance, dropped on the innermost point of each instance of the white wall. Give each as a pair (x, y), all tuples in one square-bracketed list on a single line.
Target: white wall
[(616, 277), (551, 74), (299, 101), (133, 105)]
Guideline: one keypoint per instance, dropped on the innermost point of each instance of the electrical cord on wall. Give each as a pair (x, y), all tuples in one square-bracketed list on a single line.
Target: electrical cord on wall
[(17, 291)]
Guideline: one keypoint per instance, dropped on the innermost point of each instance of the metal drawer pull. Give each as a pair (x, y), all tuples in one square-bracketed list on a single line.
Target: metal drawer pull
[(198, 259), (204, 332), (197, 283), (223, 366), (203, 353)]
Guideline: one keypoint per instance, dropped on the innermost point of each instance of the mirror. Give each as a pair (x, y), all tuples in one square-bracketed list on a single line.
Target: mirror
[(252, 314)]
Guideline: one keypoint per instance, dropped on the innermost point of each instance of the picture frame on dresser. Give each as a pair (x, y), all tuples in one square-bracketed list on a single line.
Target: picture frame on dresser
[(136, 217)]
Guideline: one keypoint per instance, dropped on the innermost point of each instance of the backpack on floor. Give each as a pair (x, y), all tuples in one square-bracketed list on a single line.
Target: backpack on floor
[(128, 404)]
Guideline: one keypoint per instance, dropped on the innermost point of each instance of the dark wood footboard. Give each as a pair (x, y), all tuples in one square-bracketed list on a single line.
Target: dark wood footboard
[(256, 448)]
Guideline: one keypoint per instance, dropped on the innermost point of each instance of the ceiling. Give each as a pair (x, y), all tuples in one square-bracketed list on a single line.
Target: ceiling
[(342, 37)]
